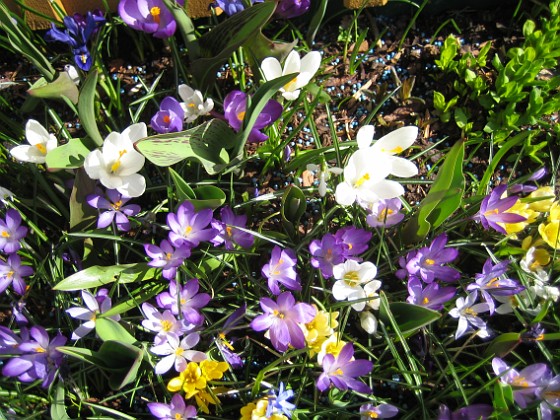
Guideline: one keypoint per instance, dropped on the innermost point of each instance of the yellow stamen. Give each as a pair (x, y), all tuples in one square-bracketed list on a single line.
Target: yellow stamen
[(10, 274), (360, 181), (115, 166), (84, 58), (5, 234), (117, 205), (425, 301), (40, 350), (279, 314), (168, 255), (397, 149), (288, 86), (383, 214), (241, 115), (494, 282), (178, 416), (179, 351), (188, 230), (156, 12), (429, 261), (276, 271), (339, 372), (470, 311), (352, 278), (41, 147), (491, 212), (166, 119), (229, 231), (166, 325), (521, 382)]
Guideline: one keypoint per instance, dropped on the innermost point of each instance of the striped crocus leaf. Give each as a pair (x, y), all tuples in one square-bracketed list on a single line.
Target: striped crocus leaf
[(207, 143)]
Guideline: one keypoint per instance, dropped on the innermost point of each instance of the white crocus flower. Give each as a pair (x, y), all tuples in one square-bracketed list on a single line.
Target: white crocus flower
[(89, 313), (117, 163), (306, 67), (177, 352), (467, 312), (368, 321), (193, 103), (40, 143), (351, 276), (389, 146), (364, 179)]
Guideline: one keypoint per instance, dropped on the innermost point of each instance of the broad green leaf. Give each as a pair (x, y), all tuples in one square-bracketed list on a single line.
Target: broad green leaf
[(110, 330), (98, 275), (503, 344), (124, 361), (85, 355), (208, 196), (82, 215), (183, 191), (409, 317), (207, 143), (260, 47), (503, 398), (68, 156), (58, 408), (217, 45), (443, 198), (61, 86), (86, 107)]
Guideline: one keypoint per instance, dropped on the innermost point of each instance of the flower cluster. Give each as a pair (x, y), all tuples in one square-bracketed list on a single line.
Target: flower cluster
[(12, 272)]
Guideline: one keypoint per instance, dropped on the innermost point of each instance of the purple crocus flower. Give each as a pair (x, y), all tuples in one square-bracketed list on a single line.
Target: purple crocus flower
[(189, 227), (282, 319), (150, 16), (490, 284), (176, 409), (118, 210), (177, 352), (228, 232), (9, 341), (40, 358), (326, 253), (278, 404), (11, 232), (342, 370), (381, 411), (493, 210), (76, 35), (525, 383), (167, 257), (231, 7), (185, 300), (385, 213), (162, 323), (169, 118), (95, 305), (12, 272), (470, 412), (281, 269), (428, 262), (225, 346), (549, 392), (235, 107), (354, 241), (288, 9), (432, 297)]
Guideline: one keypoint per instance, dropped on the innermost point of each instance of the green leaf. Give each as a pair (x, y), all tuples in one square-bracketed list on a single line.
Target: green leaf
[(461, 118), (292, 208), (503, 397), (82, 215), (86, 107), (260, 47), (98, 275), (503, 344), (443, 198), (110, 330), (123, 359), (208, 197), (217, 45), (183, 191), (58, 408), (408, 317), (68, 156), (61, 86), (206, 143), (85, 355)]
